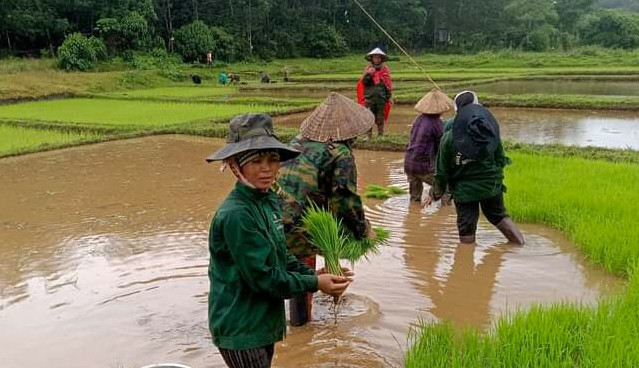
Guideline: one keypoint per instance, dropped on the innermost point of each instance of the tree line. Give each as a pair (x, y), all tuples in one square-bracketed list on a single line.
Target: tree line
[(264, 29)]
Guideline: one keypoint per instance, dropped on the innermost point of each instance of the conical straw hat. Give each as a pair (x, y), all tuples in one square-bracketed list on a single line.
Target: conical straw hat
[(338, 118), (435, 102), (376, 51)]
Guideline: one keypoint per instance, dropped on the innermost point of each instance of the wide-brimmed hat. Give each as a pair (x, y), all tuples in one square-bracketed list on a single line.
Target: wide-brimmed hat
[(435, 102), (376, 51), (475, 132), (251, 132), (338, 118)]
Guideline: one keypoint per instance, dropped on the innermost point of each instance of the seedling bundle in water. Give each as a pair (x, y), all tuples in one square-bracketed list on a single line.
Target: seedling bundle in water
[(381, 192), (335, 243)]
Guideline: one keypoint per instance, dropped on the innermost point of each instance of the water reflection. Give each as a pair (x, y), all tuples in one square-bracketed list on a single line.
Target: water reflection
[(561, 87), (467, 282), (611, 129)]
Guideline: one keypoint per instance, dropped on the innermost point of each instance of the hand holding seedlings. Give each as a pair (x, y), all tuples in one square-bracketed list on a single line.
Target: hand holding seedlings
[(332, 285), (345, 272)]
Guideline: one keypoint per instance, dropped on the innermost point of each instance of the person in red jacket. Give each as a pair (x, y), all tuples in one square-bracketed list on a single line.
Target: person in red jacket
[(375, 88)]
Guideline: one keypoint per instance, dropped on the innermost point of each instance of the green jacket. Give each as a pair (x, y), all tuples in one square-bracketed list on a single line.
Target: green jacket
[(251, 272), (448, 124), (324, 174), (469, 180)]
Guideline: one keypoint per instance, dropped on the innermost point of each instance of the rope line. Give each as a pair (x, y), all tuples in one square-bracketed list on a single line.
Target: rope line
[(396, 43)]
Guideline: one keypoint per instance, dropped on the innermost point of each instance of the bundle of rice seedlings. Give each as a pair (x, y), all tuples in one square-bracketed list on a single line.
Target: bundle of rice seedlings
[(362, 248), (381, 192), (329, 236), (326, 233)]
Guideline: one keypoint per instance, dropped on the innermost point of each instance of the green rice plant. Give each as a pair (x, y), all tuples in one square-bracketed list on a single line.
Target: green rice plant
[(327, 234), (15, 140), (595, 203), (190, 91), (330, 237), (125, 115), (381, 192), (362, 248), (562, 335)]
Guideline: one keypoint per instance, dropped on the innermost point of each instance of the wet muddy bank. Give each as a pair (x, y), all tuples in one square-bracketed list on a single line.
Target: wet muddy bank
[(105, 259)]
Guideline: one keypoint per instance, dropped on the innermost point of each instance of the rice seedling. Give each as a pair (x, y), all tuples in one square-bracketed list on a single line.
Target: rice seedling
[(14, 140), (362, 248), (332, 239), (595, 204), (125, 115), (381, 192), (191, 91)]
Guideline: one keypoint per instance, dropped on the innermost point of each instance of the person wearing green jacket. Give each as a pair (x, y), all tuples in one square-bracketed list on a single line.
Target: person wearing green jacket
[(250, 270), (471, 163)]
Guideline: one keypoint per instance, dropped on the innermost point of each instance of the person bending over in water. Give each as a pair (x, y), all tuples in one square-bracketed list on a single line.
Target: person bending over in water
[(471, 161)]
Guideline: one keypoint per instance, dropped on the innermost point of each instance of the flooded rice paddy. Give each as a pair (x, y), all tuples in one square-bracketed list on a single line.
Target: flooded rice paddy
[(105, 264), (610, 129), (561, 87)]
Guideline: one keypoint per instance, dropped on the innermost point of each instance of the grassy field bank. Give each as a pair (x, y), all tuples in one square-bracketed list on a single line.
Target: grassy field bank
[(595, 204), (125, 115), (31, 79), (16, 140)]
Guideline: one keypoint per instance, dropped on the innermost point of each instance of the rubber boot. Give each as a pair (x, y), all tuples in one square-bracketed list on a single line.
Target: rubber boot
[(467, 239), (510, 231)]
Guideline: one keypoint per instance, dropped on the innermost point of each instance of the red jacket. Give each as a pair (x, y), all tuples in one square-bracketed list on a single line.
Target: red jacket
[(383, 74)]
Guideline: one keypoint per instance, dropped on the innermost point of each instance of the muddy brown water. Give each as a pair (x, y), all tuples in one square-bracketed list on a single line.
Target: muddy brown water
[(104, 262), (610, 129), (561, 87)]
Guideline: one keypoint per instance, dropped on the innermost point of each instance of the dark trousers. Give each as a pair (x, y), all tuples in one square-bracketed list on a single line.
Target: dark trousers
[(468, 213), (301, 306), (251, 358), (377, 108), (416, 185)]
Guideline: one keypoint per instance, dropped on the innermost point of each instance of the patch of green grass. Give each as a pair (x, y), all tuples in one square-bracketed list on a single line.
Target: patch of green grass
[(125, 115), (562, 335), (182, 92), (596, 204), (15, 140)]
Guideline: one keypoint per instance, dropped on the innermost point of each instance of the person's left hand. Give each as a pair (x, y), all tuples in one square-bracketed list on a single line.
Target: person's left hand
[(346, 272)]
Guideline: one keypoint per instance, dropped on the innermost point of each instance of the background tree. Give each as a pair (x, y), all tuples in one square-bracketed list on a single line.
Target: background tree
[(193, 40), (610, 28), (532, 23), (263, 29)]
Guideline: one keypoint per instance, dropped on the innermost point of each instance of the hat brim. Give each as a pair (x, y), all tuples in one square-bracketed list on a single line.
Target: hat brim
[(370, 57), (264, 142)]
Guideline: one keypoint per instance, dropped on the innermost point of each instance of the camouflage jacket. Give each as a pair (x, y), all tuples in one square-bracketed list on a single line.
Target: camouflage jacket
[(324, 174)]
